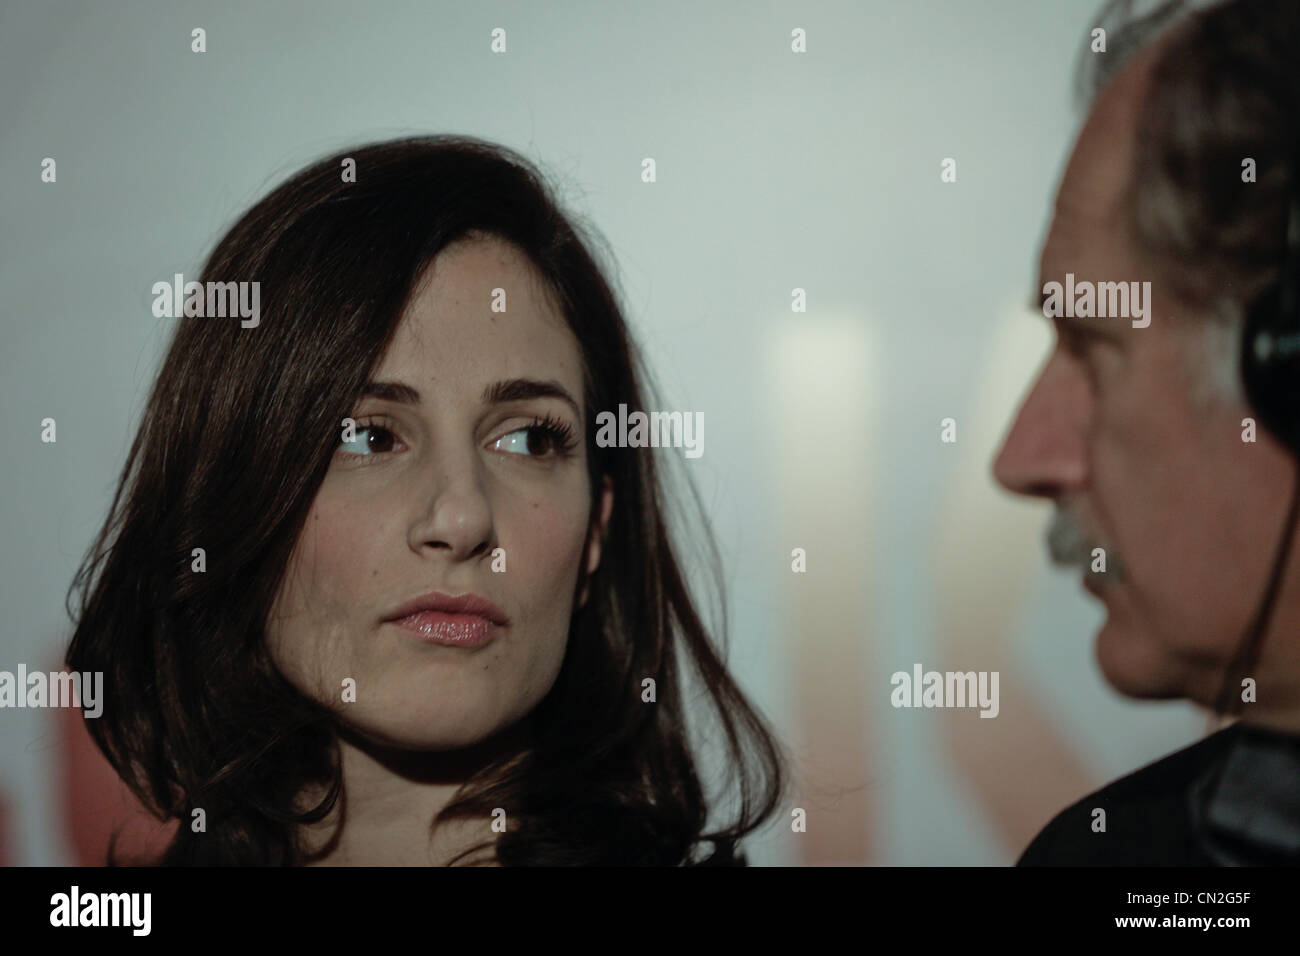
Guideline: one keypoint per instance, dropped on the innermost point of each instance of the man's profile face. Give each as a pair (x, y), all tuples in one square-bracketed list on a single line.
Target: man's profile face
[(1123, 430)]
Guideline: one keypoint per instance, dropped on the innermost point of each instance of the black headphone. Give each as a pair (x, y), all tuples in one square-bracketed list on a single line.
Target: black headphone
[(1270, 352), (1270, 372)]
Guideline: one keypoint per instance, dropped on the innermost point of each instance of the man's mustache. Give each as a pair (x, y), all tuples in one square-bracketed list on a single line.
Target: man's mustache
[(1070, 544)]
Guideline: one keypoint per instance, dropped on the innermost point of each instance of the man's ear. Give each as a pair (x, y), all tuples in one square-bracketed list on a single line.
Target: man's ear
[(596, 534)]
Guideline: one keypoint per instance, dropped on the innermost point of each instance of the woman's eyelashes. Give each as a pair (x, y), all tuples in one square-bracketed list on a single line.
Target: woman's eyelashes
[(544, 437)]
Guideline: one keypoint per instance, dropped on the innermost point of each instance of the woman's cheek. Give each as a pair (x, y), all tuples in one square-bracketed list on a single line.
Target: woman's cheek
[(549, 537), (320, 603), (340, 545)]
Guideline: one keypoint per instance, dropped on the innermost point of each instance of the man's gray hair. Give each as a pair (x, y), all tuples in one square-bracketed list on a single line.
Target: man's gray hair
[(1226, 90)]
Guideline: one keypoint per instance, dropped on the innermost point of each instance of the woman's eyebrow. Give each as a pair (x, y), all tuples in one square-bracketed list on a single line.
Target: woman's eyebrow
[(392, 392), (518, 389), (509, 390)]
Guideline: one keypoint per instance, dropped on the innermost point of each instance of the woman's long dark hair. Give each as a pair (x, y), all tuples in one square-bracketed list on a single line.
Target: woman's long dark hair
[(237, 436)]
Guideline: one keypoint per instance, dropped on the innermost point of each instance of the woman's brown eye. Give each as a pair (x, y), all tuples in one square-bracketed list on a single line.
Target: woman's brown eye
[(370, 440), (539, 441)]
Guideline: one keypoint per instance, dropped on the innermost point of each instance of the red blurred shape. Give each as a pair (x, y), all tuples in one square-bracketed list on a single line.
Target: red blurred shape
[(97, 804), (5, 851)]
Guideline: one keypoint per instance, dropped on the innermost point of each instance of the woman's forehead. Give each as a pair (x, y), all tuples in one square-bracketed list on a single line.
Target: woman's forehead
[(482, 313)]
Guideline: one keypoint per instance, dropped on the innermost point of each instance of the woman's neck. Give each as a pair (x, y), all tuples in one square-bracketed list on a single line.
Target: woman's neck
[(390, 797)]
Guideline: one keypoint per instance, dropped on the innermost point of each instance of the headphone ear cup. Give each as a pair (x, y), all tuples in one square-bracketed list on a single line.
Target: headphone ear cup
[(1270, 368)]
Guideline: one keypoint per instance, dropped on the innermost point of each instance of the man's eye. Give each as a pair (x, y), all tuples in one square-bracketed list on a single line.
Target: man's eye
[(1076, 343), (370, 440)]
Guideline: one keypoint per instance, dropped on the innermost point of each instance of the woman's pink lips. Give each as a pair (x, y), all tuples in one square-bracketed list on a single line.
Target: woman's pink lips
[(453, 630)]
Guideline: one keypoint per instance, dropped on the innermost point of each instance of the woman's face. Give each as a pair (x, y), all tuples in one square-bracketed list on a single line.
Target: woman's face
[(467, 475)]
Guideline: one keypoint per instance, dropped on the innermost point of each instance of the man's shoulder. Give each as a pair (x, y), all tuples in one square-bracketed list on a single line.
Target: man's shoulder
[(1144, 818)]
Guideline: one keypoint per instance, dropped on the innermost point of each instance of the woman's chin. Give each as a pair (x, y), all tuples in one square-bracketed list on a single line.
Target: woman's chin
[(433, 732)]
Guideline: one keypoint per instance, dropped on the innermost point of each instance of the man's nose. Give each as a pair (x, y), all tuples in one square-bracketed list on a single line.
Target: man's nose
[(1045, 452)]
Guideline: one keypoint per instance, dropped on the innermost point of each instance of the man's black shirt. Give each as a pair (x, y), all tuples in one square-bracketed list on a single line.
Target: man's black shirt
[(1232, 799)]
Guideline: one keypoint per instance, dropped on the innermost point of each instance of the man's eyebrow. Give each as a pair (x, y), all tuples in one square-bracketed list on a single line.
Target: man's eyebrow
[(1094, 328), (508, 390)]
